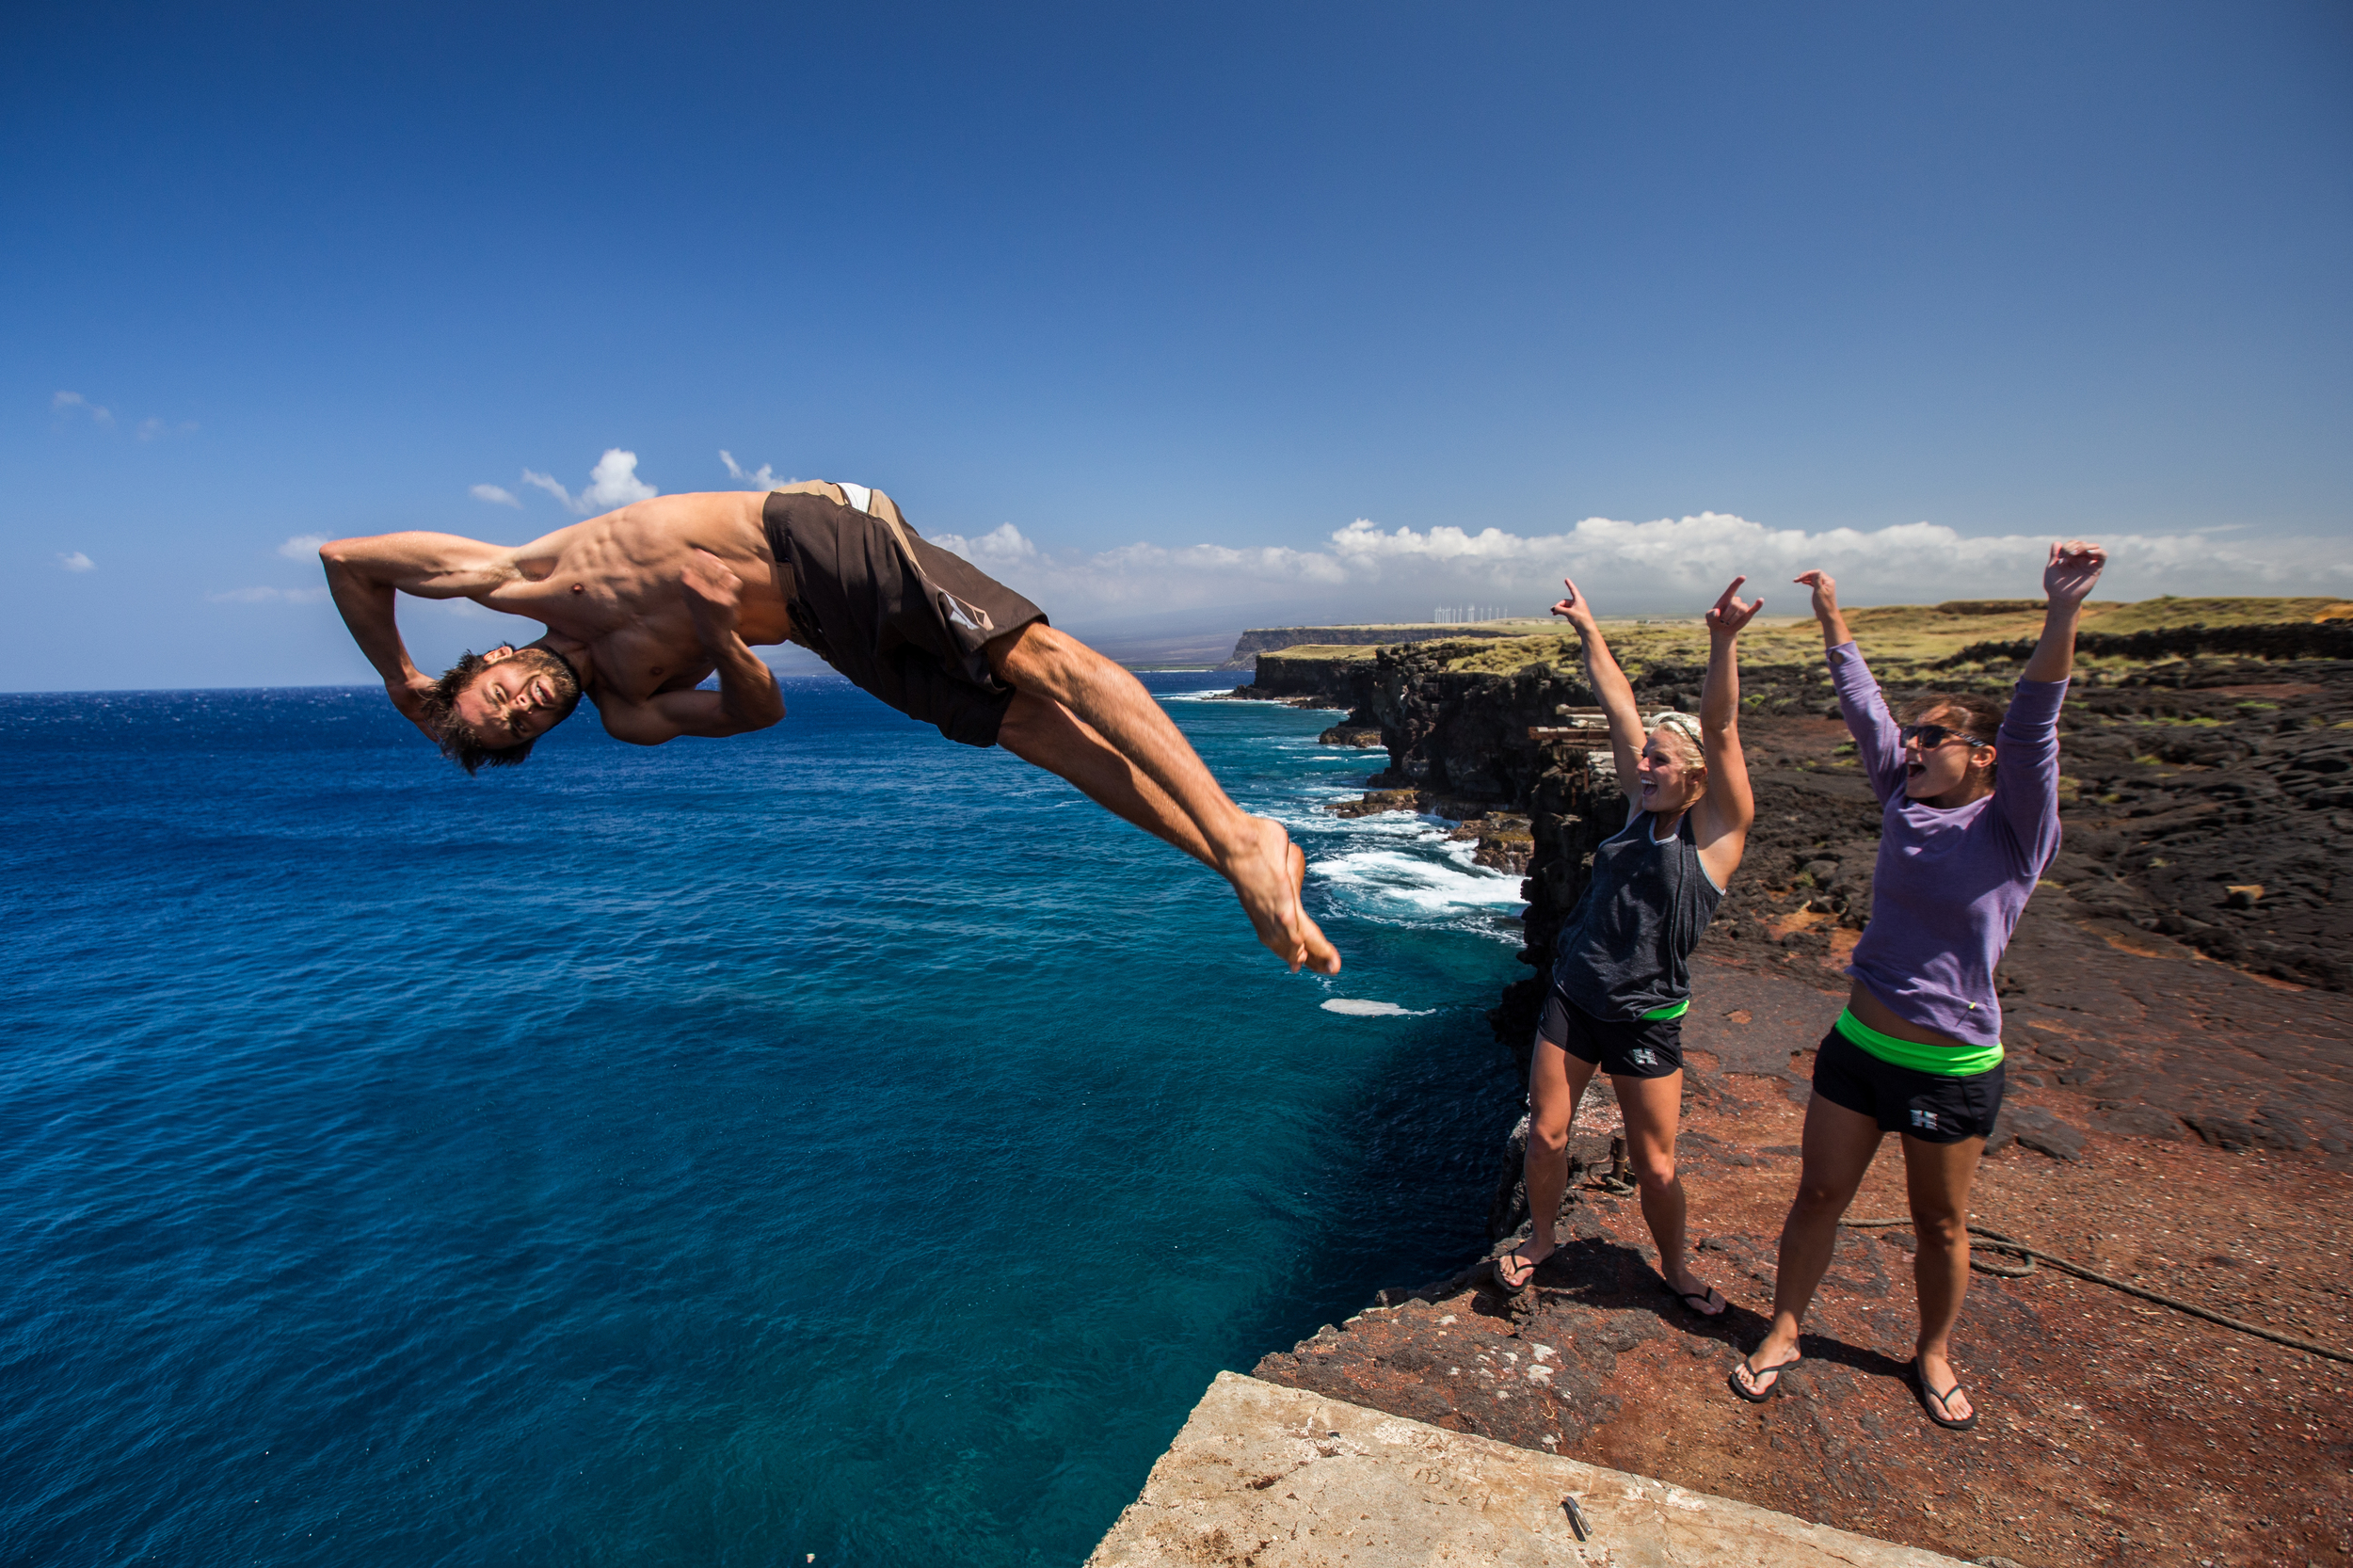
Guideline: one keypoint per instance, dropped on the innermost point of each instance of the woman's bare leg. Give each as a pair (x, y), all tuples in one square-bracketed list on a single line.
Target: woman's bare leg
[(1838, 1147), (1937, 1178), (1653, 1108), (1555, 1082)]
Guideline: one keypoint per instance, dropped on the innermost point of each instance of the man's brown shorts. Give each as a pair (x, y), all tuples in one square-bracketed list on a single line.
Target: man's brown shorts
[(902, 618)]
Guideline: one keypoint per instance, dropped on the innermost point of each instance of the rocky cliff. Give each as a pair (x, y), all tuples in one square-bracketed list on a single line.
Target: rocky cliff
[(2207, 790), (2179, 1122), (1273, 638)]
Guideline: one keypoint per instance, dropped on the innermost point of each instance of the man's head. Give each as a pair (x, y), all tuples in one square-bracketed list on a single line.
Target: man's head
[(488, 708)]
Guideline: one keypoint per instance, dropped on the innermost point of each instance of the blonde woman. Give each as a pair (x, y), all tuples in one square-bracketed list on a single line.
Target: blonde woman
[(1622, 981)]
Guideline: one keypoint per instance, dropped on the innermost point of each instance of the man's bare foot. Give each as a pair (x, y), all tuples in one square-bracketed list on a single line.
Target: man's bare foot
[(1318, 944), (1516, 1267), (1267, 878)]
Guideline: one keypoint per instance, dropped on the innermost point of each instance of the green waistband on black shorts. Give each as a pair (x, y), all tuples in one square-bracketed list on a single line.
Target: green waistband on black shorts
[(1672, 1010), (1944, 1061)]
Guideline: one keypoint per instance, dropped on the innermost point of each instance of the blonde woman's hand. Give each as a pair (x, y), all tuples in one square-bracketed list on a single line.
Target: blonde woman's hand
[(1730, 615), (1574, 609)]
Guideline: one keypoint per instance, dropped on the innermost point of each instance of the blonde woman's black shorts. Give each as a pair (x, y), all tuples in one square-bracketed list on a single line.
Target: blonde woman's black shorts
[(1640, 1047)]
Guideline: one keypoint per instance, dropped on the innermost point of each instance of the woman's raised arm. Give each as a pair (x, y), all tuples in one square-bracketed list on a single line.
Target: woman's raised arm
[(1860, 700), (1626, 734), (1728, 808), (2067, 582)]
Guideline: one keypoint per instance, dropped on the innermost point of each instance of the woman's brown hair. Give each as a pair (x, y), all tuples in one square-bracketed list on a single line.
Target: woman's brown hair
[(1977, 717)]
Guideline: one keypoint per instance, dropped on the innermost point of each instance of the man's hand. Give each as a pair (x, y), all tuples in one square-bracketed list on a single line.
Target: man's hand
[(2073, 571), (1729, 615), (715, 594), (1574, 609)]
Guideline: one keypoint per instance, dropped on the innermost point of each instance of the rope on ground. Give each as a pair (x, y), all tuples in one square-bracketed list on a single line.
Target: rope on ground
[(1996, 1241)]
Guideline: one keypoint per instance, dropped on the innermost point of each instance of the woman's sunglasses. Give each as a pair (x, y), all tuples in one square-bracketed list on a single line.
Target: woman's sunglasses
[(1930, 736)]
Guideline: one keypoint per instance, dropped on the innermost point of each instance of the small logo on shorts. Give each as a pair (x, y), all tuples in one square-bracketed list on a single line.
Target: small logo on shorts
[(1924, 1119), (1641, 1057)]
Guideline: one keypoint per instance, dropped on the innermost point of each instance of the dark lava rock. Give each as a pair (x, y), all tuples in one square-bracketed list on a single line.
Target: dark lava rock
[(2143, 1121), (2038, 1130)]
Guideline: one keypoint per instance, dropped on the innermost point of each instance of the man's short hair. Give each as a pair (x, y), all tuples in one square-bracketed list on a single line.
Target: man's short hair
[(458, 741)]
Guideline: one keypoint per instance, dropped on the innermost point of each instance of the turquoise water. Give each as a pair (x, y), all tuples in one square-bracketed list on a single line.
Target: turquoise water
[(833, 1141)]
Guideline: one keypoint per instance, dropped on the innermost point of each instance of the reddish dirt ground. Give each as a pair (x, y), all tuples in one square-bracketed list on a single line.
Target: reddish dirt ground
[(2113, 1431)]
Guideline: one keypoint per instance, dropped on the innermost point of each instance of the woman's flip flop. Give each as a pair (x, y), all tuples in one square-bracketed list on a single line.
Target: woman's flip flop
[(1515, 1256), (1920, 1387), (1756, 1371), (1697, 1300)]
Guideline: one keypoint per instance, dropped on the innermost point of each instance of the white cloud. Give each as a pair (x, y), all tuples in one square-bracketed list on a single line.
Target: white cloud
[(269, 595), (73, 560), (62, 401), (1366, 571), (302, 547), (612, 483), (764, 478), (150, 428), (499, 495), (547, 482)]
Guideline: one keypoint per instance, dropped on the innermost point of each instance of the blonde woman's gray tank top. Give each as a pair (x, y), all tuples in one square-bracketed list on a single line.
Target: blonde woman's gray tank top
[(1625, 951)]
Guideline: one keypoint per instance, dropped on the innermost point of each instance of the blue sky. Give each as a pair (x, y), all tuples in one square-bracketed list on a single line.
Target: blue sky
[(1146, 307)]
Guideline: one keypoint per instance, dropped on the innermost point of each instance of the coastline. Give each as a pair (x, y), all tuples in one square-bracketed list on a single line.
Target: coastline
[(2181, 1111)]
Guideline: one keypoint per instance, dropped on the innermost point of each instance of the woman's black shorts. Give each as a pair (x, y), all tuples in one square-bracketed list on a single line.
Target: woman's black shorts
[(1641, 1048), (1935, 1108)]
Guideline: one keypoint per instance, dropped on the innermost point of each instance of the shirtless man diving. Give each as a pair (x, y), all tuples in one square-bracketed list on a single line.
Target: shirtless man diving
[(643, 604)]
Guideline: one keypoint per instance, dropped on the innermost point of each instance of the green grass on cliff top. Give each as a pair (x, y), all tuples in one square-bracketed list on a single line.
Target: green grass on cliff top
[(1903, 633)]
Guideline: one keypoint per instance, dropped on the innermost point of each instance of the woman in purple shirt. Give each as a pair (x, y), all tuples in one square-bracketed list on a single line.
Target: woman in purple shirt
[(1918, 1051)]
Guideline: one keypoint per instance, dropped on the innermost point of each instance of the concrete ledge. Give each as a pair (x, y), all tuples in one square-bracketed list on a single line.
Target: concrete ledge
[(1277, 1478)]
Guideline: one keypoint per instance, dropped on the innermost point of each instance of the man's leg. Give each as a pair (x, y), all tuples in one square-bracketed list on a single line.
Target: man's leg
[(1044, 734), (1253, 854)]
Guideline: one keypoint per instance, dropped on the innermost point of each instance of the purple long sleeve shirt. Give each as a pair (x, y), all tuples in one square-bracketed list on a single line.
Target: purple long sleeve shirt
[(1950, 885)]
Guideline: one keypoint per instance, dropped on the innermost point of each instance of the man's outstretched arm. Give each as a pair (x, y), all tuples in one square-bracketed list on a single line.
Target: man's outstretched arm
[(363, 575), (747, 699)]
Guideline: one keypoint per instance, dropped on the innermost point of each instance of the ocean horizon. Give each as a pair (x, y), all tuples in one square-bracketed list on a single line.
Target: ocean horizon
[(831, 1141)]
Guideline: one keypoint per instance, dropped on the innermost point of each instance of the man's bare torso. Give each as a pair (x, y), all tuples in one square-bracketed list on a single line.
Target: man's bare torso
[(608, 589)]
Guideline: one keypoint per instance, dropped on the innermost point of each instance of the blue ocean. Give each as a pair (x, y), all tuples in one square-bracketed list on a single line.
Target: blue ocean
[(831, 1144)]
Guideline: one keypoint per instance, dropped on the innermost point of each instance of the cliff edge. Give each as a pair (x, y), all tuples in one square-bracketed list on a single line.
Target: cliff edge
[(2180, 1115)]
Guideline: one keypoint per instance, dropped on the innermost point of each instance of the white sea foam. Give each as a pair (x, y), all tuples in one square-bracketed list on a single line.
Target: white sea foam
[(1357, 1007), (1420, 882)]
